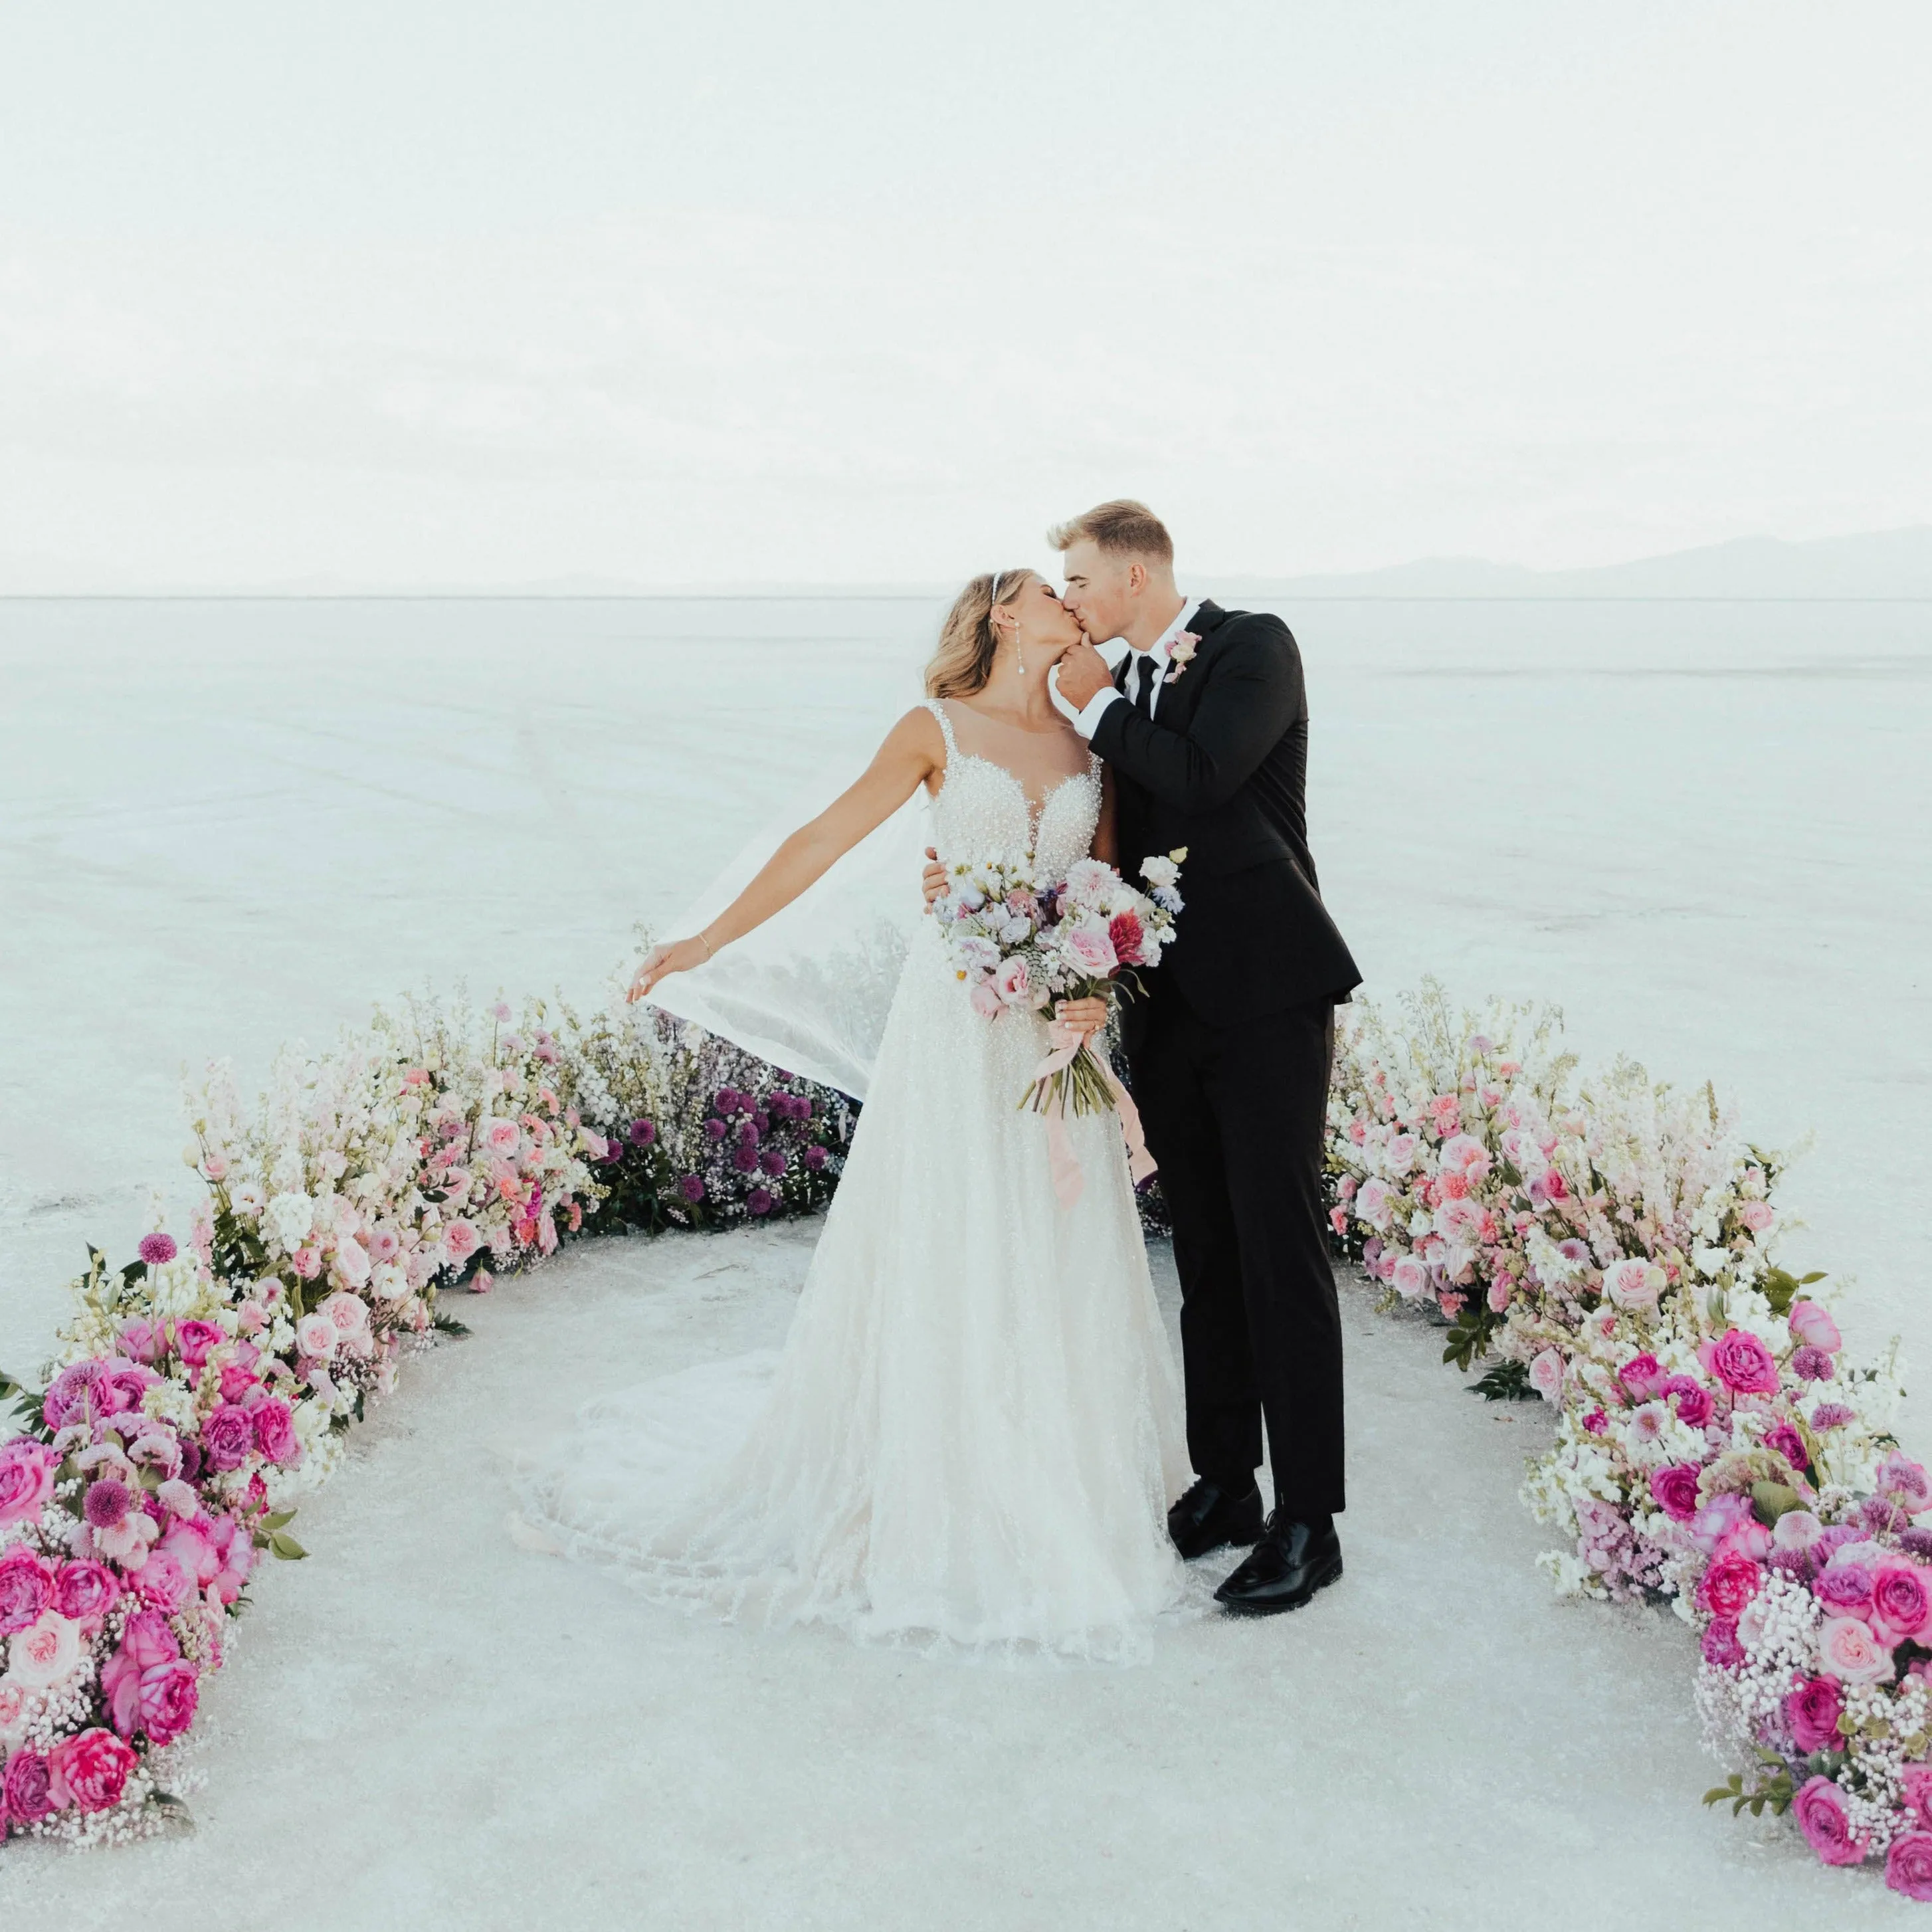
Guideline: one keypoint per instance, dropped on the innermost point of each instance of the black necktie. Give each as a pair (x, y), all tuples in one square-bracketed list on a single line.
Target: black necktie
[(1146, 669)]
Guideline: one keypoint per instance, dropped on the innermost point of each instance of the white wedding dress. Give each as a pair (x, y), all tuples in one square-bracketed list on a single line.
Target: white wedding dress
[(975, 1428)]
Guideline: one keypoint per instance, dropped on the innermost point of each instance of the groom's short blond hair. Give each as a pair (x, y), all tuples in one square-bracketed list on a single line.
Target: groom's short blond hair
[(1122, 528)]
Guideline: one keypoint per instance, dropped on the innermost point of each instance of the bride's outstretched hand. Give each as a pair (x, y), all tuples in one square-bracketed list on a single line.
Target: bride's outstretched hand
[(679, 956)]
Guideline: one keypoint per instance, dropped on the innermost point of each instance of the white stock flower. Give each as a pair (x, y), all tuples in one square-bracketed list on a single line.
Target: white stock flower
[(289, 1217)]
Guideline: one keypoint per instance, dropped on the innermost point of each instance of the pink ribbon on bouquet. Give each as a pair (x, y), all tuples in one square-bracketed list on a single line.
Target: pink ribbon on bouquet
[(1068, 1180)]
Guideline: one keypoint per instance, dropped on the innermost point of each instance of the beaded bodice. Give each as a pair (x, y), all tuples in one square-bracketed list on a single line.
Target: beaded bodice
[(982, 810)]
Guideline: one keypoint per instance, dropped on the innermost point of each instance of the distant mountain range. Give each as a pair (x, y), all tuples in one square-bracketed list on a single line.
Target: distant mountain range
[(1877, 564)]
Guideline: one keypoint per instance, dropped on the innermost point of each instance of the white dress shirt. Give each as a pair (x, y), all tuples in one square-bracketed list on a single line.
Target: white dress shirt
[(1152, 662)]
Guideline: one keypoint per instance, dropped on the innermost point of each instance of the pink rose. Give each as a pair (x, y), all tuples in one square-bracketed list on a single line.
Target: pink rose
[(1400, 1153), (1338, 1219), (1411, 1278), (1786, 1442), (163, 1582), (195, 1341), (85, 1592), (1741, 1362), (26, 1791), (502, 1137), (1813, 1326), (236, 1549), (1633, 1284), (168, 1694), (1675, 1489), (1812, 1711), (47, 1652), (1756, 1215), (90, 1770), (1372, 1203), (26, 1479), (1901, 1605), (984, 1000), (1091, 950), (1643, 1376), (1728, 1585), (1848, 1651), (1819, 1809), (1908, 1865), (227, 1438), (1690, 1398), (459, 1241), (352, 1258), (316, 1336), (26, 1588), (145, 1341), (191, 1543), (1545, 1375), (274, 1425), (1917, 1779)]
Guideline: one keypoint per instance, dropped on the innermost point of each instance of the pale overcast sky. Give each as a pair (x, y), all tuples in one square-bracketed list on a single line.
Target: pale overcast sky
[(406, 294)]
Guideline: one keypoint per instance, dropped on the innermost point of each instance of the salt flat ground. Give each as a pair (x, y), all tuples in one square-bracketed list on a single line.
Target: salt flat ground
[(1700, 828)]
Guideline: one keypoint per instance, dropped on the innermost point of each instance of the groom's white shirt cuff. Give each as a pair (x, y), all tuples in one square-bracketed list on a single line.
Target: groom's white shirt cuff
[(1153, 664)]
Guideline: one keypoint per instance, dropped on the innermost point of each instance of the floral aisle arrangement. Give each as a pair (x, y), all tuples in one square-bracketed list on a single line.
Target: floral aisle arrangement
[(200, 1390), (1609, 1246)]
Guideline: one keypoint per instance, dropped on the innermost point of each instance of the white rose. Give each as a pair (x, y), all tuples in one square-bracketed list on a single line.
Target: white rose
[(316, 1335), (45, 1652), (389, 1281)]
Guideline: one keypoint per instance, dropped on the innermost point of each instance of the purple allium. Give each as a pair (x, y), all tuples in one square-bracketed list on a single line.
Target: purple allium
[(1813, 1365), (814, 1158), (642, 1132), (749, 1133), (1916, 1542), (692, 1188), (1878, 1515), (762, 1120), (773, 1162), (714, 1130), (614, 1149), (729, 1100), (108, 1503), (759, 1200), (158, 1248), (1828, 1415), (745, 1158)]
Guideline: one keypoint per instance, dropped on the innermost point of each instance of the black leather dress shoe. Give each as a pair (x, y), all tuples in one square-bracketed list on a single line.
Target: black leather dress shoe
[(1284, 1569), (1208, 1518)]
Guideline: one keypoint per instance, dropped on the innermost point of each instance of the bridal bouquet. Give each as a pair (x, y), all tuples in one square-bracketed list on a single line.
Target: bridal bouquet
[(1016, 946)]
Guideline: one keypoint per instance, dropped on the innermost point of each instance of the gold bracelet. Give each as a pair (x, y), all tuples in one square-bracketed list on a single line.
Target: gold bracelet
[(710, 951)]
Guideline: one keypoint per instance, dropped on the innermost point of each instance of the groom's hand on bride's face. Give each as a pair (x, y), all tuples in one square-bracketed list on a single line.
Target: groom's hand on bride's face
[(1082, 674), (933, 878)]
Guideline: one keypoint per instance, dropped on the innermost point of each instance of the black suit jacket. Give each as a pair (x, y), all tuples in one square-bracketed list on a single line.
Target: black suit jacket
[(1221, 769)]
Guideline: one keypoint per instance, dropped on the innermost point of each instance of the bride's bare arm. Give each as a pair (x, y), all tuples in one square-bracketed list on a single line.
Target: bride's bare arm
[(913, 751), (1106, 833)]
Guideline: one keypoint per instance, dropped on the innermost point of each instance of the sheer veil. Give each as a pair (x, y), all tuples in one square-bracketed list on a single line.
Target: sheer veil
[(809, 989)]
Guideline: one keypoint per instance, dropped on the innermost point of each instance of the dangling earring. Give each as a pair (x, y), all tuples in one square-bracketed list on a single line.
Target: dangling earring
[(1019, 654)]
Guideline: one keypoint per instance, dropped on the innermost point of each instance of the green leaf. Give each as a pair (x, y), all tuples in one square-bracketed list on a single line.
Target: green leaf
[(285, 1547), (278, 1518), (448, 1325), (1505, 1381), (1770, 1501)]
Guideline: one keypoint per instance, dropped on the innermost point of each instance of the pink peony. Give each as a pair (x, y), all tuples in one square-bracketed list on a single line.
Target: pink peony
[(275, 1426), (1819, 1809), (227, 1438), (190, 1542), (26, 1792), (1741, 1362), (1675, 1489), (1848, 1651), (1908, 1865), (26, 1479), (1812, 1711), (163, 1582), (89, 1770), (1901, 1604), (1811, 1325), (26, 1588), (1728, 1585)]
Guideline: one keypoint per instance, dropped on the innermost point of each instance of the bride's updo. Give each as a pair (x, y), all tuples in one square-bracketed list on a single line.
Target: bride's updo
[(964, 660)]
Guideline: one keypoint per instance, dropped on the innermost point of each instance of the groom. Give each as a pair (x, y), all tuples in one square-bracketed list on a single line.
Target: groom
[(1205, 727)]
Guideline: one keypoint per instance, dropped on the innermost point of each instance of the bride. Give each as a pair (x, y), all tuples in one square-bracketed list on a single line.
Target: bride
[(974, 1431)]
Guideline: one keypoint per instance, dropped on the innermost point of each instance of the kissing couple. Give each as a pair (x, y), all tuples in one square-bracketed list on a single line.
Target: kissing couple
[(974, 1436)]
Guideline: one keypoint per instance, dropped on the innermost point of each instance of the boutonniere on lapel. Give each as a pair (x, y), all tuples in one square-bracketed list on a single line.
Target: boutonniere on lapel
[(1181, 655)]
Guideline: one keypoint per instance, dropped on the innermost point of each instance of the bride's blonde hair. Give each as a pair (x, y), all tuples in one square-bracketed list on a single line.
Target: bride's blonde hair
[(967, 641)]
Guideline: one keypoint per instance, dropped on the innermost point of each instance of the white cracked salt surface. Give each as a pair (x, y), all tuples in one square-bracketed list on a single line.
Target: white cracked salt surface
[(1697, 827)]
